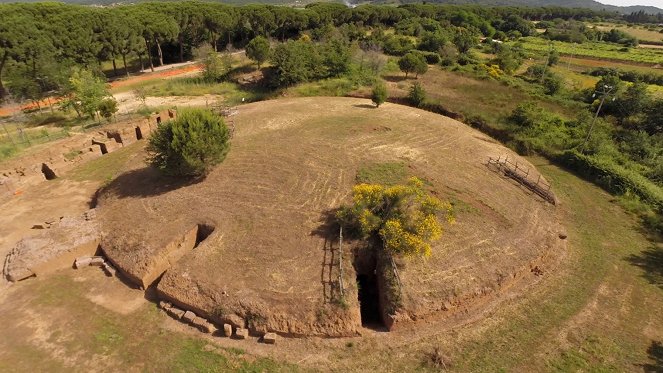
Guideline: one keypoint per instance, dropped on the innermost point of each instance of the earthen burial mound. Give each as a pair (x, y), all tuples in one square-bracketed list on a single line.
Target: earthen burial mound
[(252, 244)]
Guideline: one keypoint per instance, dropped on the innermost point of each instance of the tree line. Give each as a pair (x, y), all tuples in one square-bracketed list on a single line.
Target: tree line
[(40, 43)]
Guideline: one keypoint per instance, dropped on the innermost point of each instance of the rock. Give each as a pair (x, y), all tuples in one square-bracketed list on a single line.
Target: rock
[(189, 316), (269, 338), (562, 235), (235, 320), (97, 261), (82, 262), (165, 305), (110, 271), (204, 325), (175, 312), (227, 330), (68, 241), (241, 333)]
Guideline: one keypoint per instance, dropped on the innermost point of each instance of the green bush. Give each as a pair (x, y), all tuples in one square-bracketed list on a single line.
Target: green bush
[(108, 107), (379, 94), (417, 94), (189, 145), (431, 58), (613, 178)]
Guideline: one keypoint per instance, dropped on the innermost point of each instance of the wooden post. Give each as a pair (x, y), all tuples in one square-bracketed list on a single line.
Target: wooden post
[(340, 260)]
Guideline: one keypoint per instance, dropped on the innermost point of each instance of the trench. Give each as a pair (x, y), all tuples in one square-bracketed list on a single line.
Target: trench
[(204, 231), (115, 136), (48, 173), (368, 289)]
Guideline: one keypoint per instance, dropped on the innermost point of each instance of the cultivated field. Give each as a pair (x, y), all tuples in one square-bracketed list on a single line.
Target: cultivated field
[(642, 33), (605, 51)]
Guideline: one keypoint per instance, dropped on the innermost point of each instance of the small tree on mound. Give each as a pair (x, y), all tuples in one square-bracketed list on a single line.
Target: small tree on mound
[(190, 145), (417, 94), (403, 217), (379, 94)]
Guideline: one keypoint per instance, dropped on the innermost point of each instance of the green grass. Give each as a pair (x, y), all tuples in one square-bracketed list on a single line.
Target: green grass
[(106, 167), (389, 173), (15, 143), (83, 330), (595, 50), (231, 93), (327, 87), (642, 33), (462, 92), (601, 237), (597, 311)]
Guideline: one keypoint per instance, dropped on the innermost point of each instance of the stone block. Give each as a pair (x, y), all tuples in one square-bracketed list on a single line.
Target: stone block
[(227, 330), (82, 262), (175, 312), (241, 333), (165, 305), (269, 338), (97, 261), (189, 316), (109, 269), (204, 325)]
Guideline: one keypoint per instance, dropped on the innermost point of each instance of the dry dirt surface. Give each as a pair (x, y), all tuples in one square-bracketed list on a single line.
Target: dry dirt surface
[(251, 243)]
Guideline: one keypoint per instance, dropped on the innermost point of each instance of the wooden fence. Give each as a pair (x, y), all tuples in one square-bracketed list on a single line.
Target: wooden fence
[(521, 174)]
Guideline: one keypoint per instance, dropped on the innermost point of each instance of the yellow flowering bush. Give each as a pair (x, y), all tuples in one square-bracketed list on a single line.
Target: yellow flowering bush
[(404, 217), (493, 71)]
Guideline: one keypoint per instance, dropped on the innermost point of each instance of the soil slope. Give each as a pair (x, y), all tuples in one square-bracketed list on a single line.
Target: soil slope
[(268, 262)]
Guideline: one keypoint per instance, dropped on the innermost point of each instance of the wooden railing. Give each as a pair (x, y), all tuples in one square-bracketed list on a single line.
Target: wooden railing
[(521, 174)]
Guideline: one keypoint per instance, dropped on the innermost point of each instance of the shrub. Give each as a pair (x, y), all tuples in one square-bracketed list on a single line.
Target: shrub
[(403, 217), (108, 107), (416, 95), (552, 84), (189, 145), (431, 58), (379, 94), (215, 67)]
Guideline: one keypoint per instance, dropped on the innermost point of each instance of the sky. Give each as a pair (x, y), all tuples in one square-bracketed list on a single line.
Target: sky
[(657, 3)]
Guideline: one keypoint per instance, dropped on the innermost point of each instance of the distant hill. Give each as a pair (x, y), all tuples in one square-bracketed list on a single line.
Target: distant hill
[(589, 4)]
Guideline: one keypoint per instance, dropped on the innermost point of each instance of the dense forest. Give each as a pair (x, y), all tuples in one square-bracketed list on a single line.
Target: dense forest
[(40, 42)]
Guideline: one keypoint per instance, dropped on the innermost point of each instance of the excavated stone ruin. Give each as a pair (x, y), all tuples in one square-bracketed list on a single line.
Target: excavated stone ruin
[(149, 270), (55, 248)]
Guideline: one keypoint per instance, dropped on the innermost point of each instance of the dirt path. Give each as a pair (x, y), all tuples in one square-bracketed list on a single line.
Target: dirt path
[(163, 72)]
